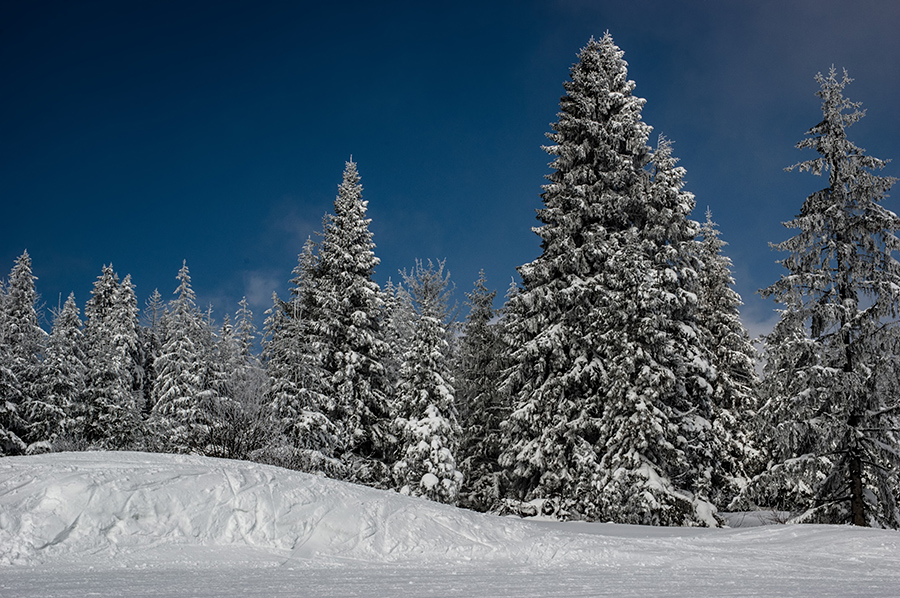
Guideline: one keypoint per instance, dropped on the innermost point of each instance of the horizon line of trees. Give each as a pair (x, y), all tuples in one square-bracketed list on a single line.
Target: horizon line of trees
[(616, 383)]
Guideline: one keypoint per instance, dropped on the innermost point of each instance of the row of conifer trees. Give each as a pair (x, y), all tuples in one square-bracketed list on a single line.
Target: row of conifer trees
[(617, 381)]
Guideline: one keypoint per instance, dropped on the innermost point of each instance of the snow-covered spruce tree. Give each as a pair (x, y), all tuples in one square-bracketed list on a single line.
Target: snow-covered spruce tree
[(830, 385), (425, 420), (64, 374), (152, 335), (213, 376), (398, 319), (239, 419), (348, 326), (245, 335), (22, 339), (610, 381), (177, 419), (244, 368), (481, 404), (398, 322), (306, 438), (303, 437), (129, 330), (220, 364), (109, 414), (12, 422), (657, 417), (734, 357)]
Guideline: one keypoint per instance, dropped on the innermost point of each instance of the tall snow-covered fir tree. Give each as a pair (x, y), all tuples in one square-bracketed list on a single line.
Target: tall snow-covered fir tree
[(22, 340), (129, 331), (152, 336), (831, 402), (177, 417), (304, 437), (213, 374), (398, 319), (348, 324), (109, 415), (245, 373), (734, 357), (64, 374), (425, 421), (12, 422), (610, 381), (290, 347), (245, 334), (481, 403)]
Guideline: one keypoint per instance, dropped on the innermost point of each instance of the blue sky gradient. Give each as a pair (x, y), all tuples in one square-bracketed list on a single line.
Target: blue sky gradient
[(144, 133)]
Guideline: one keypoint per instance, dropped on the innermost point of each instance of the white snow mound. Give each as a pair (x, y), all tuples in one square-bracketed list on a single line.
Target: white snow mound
[(71, 504), (110, 524)]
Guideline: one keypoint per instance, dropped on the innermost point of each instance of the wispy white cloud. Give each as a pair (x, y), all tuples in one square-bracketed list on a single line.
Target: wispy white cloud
[(291, 222), (258, 287)]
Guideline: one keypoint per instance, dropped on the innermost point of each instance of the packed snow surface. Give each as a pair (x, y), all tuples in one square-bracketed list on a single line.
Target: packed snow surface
[(135, 524)]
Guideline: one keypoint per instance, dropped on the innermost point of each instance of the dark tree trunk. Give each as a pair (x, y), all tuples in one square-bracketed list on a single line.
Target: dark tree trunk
[(855, 471), (854, 458)]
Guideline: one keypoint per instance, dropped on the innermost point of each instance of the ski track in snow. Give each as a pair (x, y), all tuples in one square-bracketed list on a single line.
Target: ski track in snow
[(111, 524)]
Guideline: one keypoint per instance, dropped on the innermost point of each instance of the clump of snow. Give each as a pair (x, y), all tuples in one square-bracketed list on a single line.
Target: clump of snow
[(429, 481), (110, 524)]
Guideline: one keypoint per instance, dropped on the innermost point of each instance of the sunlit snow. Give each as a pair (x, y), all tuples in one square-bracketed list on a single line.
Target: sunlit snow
[(135, 524)]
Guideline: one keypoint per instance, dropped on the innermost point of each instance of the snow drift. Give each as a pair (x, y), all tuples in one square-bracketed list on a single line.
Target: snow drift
[(109, 504), (147, 524)]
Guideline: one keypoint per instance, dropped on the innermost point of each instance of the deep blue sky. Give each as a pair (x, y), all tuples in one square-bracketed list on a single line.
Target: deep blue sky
[(142, 133)]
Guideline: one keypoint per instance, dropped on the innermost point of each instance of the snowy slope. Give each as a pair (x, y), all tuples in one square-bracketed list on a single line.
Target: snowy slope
[(139, 524)]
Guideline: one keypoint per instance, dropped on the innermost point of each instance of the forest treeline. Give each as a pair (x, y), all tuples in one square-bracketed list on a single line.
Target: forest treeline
[(616, 383)]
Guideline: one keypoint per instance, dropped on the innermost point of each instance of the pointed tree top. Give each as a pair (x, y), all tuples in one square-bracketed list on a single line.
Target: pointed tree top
[(22, 271), (186, 296)]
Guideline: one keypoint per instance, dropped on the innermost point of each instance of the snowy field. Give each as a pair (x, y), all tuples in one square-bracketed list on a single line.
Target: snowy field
[(134, 524)]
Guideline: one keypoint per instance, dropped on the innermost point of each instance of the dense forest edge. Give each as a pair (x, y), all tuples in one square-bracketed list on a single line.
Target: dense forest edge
[(616, 382)]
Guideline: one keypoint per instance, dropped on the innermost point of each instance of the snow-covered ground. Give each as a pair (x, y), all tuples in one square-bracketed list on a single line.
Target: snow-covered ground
[(135, 524)]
